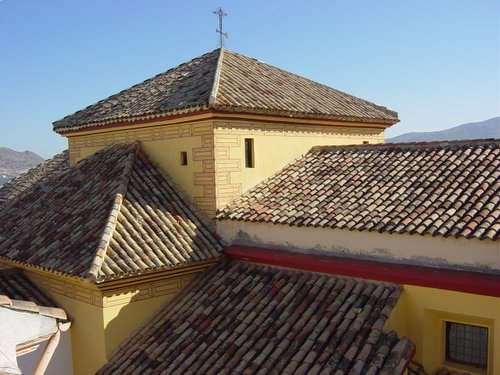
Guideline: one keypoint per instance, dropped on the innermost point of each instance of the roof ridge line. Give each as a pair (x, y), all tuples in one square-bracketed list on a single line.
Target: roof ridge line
[(215, 88), (112, 219)]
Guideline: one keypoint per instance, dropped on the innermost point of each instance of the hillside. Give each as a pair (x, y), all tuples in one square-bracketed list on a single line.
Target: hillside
[(474, 130), (13, 163)]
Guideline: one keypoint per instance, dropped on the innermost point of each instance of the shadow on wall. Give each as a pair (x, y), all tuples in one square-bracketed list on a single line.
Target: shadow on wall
[(61, 362), (126, 318)]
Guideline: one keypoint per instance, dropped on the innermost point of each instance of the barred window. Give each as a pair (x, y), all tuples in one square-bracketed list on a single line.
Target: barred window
[(467, 344)]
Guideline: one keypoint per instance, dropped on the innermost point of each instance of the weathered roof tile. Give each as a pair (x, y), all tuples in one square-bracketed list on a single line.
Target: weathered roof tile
[(246, 318), (45, 170), (393, 188), (226, 81), (19, 293), (111, 215)]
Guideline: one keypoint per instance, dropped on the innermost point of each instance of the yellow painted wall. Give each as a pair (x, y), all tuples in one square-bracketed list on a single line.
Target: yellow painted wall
[(121, 320), (275, 145), (421, 314), (83, 305), (163, 143), (216, 172), (87, 336), (104, 315), (126, 309)]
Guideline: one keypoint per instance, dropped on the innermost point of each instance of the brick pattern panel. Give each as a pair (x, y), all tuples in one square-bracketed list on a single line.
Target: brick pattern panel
[(79, 292)]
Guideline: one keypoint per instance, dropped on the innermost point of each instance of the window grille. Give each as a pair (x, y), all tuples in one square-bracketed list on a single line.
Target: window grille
[(467, 344)]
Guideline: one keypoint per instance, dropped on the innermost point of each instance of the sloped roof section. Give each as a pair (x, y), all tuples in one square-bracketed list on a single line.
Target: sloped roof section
[(244, 318), (45, 170), (185, 88), (227, 81), (246, 84), (111, 215), (439, 189), (15, 285)]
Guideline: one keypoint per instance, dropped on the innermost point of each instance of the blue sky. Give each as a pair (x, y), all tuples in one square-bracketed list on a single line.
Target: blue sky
[(436, 62)]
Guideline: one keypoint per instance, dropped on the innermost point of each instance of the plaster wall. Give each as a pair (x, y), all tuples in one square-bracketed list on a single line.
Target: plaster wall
[(126, 309), (87, 336), (163, 142), (103, 315), (61, 362), (421, 313), (19, 327), (83, 305), (436, 251), (216, 171), (275, 145)]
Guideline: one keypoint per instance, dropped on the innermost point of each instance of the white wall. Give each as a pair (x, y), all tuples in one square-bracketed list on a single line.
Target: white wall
[(61, 362)]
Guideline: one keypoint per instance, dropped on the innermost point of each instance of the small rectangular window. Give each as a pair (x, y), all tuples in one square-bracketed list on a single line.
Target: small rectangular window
[(184, 158), (249, 153), (467, 344)]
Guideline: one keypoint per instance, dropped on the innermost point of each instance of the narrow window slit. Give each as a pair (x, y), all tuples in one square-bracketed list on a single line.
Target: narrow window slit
[(249, 153)]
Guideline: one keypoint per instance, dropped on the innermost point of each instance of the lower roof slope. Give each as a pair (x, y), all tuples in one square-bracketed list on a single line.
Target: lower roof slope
[(111, 215), (244, 318), (439, 188)]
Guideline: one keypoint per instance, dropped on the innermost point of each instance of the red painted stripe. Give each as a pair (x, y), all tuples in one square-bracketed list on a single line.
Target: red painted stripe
[(460, 281)]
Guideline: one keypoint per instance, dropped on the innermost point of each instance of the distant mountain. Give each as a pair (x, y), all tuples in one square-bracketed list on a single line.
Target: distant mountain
[(13, 163), (474, 130)]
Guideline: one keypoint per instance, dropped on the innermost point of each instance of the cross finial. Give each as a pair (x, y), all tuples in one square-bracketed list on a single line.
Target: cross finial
[(219, 12)]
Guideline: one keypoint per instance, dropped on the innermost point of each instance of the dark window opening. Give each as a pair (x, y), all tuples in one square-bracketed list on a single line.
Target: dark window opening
[(184, 158), (249, 153), (467, 344)]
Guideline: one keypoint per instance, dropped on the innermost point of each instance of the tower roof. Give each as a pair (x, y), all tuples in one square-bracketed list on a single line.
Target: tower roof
[(226, 81)]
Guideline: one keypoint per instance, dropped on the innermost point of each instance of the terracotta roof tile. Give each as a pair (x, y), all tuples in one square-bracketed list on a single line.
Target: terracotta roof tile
[(45, 170), (227, 81), (241, 317), (445, 189), (110, 215)]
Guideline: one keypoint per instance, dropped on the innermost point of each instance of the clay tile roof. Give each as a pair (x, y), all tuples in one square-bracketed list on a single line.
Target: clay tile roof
[(111, 215), (228, 81), (45, 170), (19, 293), (438, 189), (244, 318)]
